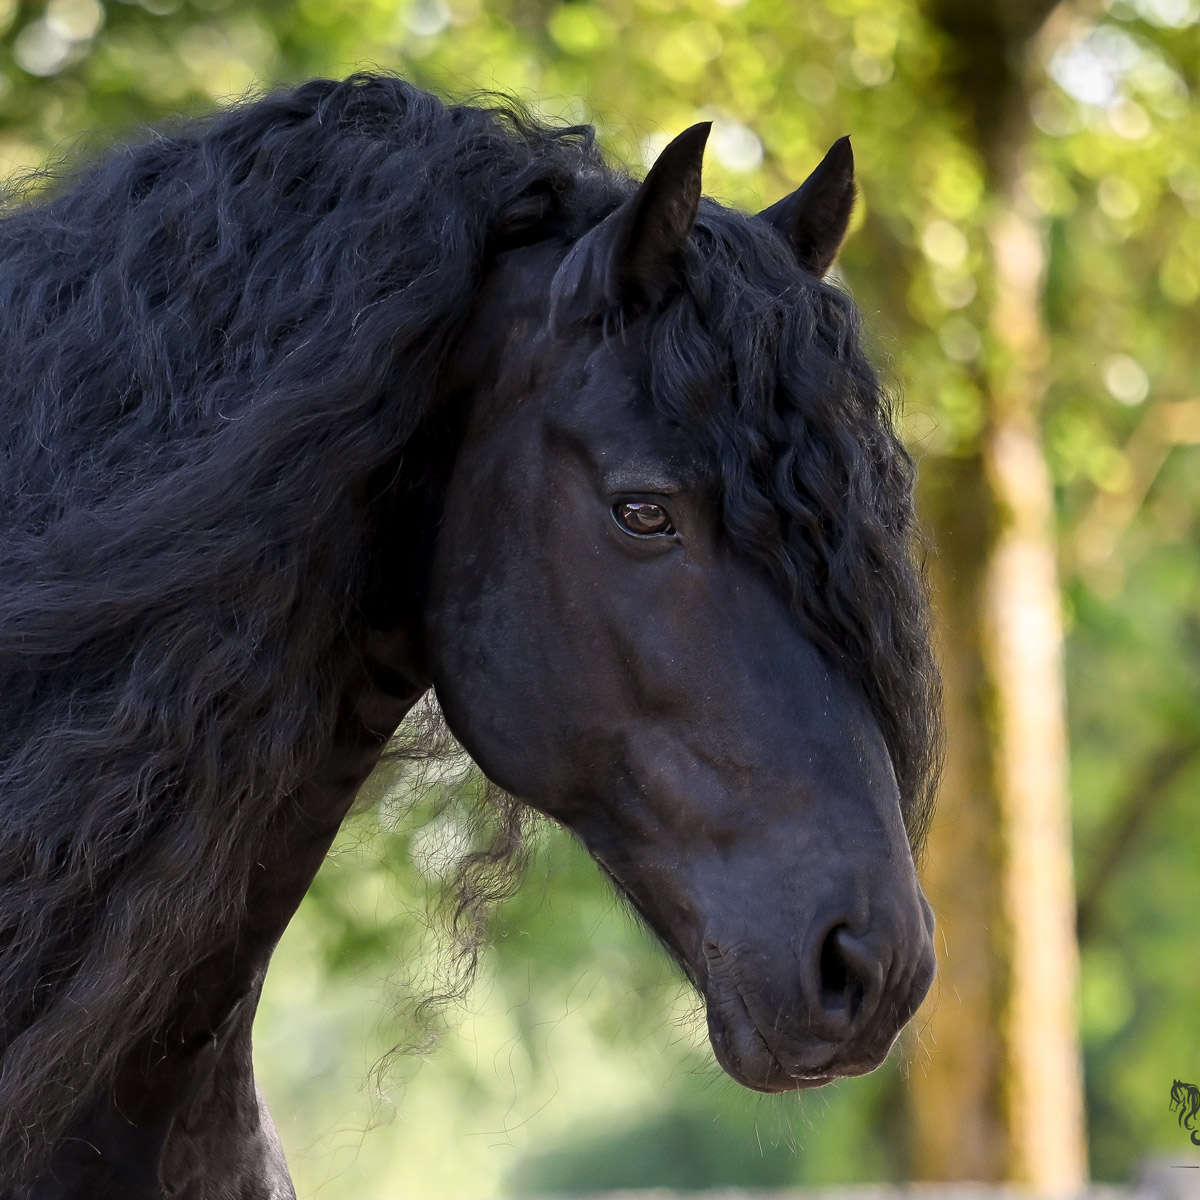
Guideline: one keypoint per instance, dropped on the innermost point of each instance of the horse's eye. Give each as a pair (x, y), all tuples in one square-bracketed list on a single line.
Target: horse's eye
[(643, 518)]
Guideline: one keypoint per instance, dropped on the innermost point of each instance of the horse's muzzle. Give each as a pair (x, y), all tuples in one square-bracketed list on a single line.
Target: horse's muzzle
[(834, 1013)]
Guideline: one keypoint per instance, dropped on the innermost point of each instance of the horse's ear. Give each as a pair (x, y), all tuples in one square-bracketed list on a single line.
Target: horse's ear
[(815, 216), (646, 235)]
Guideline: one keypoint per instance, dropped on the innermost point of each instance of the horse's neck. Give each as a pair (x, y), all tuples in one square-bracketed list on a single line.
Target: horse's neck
[(185, 1119)]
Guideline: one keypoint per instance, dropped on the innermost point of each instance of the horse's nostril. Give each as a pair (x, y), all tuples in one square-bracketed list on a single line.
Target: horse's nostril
[(843, 983)]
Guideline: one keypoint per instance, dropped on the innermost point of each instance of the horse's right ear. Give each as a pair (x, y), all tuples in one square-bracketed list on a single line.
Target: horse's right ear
[(631, 259), (814, 218)]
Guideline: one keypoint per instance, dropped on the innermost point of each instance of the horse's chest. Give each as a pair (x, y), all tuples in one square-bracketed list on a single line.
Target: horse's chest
[(185, 1120)]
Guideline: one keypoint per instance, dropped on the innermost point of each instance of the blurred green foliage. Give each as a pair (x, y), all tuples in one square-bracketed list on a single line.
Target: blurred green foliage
[(578, 1061)]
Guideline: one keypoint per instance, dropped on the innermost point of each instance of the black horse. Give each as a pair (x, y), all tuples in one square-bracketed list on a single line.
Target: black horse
[(345, 394)]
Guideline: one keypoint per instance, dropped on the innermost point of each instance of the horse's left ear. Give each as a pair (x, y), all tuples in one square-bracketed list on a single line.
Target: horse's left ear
[(646, 235), (815, 216)]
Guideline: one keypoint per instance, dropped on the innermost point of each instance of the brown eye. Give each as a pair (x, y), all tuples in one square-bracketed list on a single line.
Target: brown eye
[(643, 518)]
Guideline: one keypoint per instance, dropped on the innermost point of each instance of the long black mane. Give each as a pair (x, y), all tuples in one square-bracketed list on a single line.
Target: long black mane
[(216, 342)]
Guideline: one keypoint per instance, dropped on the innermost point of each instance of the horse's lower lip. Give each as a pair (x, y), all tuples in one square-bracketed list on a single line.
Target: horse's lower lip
[(764, 1072), (786, 1083), (754, 1065), (746, 1057)]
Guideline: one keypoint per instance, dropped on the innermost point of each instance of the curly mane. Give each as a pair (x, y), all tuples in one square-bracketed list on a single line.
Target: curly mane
[(213, 342), (217, 341)]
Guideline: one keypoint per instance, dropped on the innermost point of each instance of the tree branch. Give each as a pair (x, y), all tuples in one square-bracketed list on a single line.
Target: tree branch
[(1166, 425), (1142, 802)]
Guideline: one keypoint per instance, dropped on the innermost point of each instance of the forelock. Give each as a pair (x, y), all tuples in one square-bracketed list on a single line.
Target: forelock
[(763, 363)]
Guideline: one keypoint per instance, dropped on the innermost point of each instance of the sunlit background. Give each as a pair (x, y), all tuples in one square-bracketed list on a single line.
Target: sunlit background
[(1027, 253)]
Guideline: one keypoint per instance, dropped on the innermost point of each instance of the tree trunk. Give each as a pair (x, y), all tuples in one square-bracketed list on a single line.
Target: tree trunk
[(956, 1078), (1024, 651), (998, 1095)]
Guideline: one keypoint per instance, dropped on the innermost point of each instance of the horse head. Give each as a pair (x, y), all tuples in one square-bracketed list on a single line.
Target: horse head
[(671, 604)]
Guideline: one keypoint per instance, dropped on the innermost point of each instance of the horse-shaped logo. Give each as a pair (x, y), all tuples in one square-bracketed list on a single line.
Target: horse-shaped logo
[(1186, 1097)]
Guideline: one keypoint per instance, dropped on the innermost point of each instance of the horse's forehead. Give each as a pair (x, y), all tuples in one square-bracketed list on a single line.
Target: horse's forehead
[(602, 404), (576, 380)]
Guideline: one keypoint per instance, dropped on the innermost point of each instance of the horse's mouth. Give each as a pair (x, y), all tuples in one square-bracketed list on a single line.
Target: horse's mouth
[(747, 1059), (774, 1060)]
